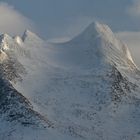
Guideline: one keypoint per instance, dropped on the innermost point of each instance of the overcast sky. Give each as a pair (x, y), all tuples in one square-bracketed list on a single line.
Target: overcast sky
[(51, 16), (66, 18)]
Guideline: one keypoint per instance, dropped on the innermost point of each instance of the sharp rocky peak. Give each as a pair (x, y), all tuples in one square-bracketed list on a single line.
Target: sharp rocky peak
[(95, 30), (5, 37), (99, 29), (30, 36), (18, 40)]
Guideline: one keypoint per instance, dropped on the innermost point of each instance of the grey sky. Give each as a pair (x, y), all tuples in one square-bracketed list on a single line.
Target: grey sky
[(57, 17)]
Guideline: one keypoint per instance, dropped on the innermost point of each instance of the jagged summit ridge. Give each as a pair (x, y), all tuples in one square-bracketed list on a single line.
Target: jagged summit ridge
[(4, 40), (26, 34), (26, 37), (95, 30), (97, 39), (30, 36)]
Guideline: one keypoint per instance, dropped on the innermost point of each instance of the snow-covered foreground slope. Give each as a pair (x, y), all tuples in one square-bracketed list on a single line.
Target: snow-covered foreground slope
[(86, 88)]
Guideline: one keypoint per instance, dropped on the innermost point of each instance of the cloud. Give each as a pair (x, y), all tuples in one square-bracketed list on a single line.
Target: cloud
[(12, 21), (132, 39), (134, 9)]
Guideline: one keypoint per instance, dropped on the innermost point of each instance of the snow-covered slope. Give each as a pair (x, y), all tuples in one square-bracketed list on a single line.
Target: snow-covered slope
[(86, 88)]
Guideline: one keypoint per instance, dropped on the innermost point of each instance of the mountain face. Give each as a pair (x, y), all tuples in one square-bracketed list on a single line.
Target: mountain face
[(83, 89)]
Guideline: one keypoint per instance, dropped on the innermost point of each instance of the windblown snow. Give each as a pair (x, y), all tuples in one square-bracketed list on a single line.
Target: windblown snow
[(84, 89)]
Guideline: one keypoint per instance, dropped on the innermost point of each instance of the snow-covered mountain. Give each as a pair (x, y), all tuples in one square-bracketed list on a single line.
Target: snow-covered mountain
[(86, 88)]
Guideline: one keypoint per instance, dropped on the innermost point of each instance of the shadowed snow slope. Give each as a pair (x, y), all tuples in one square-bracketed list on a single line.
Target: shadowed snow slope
[(86, 88)]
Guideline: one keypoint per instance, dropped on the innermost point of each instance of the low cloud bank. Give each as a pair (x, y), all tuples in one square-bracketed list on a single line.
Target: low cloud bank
[(12, 21)]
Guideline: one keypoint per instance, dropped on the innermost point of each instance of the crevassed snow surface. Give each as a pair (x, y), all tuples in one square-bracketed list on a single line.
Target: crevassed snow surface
[(88, 86)]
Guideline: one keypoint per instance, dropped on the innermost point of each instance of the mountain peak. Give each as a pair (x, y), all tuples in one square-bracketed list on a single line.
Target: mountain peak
[(100, 41), (30, 36), (99, 28), (4, 39), (28, 32), (18, 40), (95, 30)]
